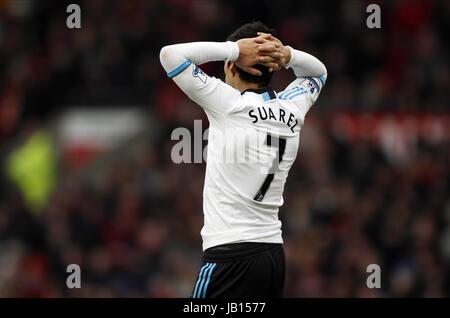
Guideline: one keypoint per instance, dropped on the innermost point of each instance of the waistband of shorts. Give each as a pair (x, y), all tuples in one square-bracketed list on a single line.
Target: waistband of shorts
[(234, 251)]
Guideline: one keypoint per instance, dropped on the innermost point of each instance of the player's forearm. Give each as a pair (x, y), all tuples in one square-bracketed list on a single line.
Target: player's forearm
[(172, 56), (305, 65)]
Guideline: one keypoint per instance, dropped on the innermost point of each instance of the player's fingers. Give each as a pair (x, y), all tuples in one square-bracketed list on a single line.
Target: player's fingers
[(265, 59), (268, 37), (265, 45), (272, 66), (264, 35), (252, 71), (275, 40), (273, 54), (268, 47), (262, 39)]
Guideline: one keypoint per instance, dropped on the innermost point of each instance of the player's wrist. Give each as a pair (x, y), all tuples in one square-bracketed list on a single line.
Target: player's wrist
[(286, 52), (288, 55), (233, 51)]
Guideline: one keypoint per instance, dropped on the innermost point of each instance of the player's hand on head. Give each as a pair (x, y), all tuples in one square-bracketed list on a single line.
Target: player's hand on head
[(273, 47), (250, 55)]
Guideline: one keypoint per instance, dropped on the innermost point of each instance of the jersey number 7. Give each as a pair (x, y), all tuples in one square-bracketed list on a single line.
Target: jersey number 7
[(280, 144)]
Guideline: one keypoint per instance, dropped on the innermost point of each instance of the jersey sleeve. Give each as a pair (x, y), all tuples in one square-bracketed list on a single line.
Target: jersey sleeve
[(311, 77), (181, 64), (212, 94), (304, 90)]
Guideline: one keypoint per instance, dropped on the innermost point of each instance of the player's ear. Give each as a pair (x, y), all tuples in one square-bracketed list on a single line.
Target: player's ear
[(226, 66), (232, 68)]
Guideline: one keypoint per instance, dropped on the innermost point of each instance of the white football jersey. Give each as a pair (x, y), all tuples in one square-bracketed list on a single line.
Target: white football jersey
[(252, 144)]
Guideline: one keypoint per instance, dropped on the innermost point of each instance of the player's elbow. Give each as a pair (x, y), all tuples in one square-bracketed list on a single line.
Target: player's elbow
[(168, 57), (324, 71), (164, 54)]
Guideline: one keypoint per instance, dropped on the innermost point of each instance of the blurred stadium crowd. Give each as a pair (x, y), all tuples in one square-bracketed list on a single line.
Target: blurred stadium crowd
[(133, 222)]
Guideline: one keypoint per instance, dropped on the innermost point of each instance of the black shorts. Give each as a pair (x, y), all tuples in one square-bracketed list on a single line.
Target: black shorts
[(241, 270)]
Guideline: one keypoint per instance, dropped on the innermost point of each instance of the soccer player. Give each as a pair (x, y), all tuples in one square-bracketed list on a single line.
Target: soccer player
[(242, 243)]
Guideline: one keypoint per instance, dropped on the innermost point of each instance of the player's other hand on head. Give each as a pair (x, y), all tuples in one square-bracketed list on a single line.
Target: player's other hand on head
[(257, 50)]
